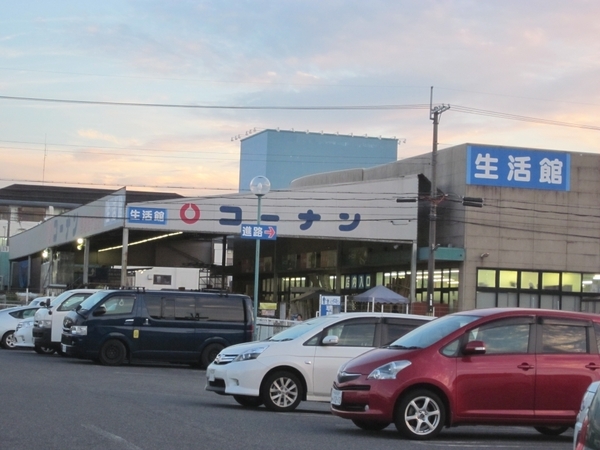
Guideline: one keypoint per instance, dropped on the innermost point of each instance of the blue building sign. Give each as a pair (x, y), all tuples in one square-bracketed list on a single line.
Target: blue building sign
[(155, 216), (518, 168)]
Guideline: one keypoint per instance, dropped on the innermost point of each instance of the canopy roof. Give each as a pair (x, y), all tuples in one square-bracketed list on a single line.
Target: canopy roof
[(380, 294)]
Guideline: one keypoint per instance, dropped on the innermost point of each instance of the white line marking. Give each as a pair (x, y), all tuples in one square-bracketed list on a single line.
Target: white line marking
[(110, 436)]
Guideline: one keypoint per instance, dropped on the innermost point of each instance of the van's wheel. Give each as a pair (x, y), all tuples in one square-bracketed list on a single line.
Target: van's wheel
[(247, 401), (210, 353), (281, 391), (552, 431), (420, 415), (369, 425), (112, 353), (43, 350), (9, 341)]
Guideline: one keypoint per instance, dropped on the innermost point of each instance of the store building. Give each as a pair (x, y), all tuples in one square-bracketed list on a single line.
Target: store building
[(535, 241), (24, 206)]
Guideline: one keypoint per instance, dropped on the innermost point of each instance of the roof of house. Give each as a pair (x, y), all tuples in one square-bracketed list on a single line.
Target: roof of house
[(73, 197)]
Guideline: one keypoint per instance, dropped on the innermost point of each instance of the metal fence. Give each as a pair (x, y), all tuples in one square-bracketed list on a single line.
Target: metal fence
[(268, 327)]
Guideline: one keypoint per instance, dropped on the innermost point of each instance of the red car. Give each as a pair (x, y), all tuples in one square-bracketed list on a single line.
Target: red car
[(497, 366)]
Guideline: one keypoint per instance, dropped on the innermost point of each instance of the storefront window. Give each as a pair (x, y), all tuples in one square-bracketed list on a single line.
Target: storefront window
[(571, 282), (528, 300), (454, 274), (570, 303), (508, 279), (591, 282), (551, 280), (530, 280), (486, 300), (486, 278)]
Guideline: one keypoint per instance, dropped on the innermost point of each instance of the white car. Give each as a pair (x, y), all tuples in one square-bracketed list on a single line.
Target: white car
[(9, 319), (24, 337), (301, 362)]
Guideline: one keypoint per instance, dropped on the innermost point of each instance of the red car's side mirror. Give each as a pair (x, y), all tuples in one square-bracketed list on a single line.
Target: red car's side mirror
[(474, 348)]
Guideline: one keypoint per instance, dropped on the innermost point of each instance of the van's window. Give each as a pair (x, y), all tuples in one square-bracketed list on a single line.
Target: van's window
[(119, 305), (217, 309), (179, 308), (195, 307), (72, 302), (558, 338), (154, 306)]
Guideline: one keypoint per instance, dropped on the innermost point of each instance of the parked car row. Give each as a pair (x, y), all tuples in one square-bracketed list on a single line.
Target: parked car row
[(114, 326), (498, 366), (301, 362), (510, 366)]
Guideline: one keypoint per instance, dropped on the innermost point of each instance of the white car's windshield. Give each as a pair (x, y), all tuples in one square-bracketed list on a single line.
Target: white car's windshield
[(58, 300), (300, 329), (433, 331)]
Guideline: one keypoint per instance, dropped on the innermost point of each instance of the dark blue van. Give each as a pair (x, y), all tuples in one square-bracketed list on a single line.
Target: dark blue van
[(113, 326)]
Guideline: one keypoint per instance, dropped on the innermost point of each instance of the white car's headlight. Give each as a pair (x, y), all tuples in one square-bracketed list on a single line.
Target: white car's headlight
[(79, 330), (251, 353), (45, 323), (388, 371)]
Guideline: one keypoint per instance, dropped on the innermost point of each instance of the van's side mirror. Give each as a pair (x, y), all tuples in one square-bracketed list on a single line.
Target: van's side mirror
[(99, 311), (330, 340), (474, 348)]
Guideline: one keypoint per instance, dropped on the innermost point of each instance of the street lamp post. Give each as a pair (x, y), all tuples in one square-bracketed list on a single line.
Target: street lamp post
[(260, 186)]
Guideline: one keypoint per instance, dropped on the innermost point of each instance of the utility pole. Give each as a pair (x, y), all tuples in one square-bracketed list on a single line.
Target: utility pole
[(434, 114)]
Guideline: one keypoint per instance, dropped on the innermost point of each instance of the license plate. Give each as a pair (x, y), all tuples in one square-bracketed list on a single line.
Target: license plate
[(336, 397), (64, 348), (211, 375)]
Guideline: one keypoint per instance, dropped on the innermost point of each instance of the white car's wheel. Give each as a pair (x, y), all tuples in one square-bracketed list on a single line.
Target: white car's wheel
[(9, 341), (282, 391)]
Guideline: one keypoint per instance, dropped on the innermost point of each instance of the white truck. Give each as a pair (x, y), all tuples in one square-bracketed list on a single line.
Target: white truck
[(166, 278), (48, 320)]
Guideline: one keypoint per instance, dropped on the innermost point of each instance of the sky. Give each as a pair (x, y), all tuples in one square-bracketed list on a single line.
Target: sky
[(155, 95)]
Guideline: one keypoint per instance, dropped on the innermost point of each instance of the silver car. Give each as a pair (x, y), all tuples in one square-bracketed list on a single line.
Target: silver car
[(9, 318), (589, 395)]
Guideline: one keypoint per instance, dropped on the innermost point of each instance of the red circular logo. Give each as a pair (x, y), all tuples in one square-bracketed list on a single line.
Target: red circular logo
[(184, 216)]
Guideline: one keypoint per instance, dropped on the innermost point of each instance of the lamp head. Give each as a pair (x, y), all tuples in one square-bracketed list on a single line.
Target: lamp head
[(260, 186)]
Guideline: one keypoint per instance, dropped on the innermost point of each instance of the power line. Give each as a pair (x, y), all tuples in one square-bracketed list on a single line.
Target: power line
[(482, 112), (167, 105)]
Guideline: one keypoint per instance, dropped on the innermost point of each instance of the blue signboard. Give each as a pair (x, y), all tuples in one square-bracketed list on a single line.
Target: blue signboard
[(330, 304), (518, 168), (262, 232), (154, 216)]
